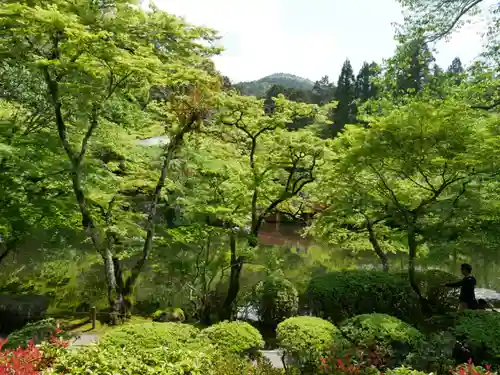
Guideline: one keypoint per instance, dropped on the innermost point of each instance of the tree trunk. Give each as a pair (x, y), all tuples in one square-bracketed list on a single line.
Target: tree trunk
[(412, 255), (376, 246), (10, 245), (234, 281), (120, 298)]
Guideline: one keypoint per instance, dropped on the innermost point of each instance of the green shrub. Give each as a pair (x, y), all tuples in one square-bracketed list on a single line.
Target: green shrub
[(431, 284), (171, 314), (384, 332), (147, 348), (150, 335), (109, 359), (238, 338), (337, 296), (435, 355), (227, 364), (478, 330), (37, 331), (404, 371), (98, 359), (277, 299), (303, 340)]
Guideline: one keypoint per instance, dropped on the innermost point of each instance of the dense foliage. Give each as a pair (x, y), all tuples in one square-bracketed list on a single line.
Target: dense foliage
[(304, 340), (277, 299), (383, 332), (135, 178), (237, 338), (340, 295), (477, 330)]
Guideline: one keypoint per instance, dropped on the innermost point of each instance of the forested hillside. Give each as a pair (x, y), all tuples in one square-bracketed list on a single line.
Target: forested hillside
[(260, 87), (136, 179)]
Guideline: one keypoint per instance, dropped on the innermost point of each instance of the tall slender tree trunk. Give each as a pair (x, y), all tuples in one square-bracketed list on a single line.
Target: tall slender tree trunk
[(234, 280), (412, 255)]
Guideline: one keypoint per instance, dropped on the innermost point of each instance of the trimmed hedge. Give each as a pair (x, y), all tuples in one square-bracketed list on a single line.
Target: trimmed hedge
[(337, 296), (143, 349), (151, 335), (110, 359), (277, 300), (237, 338), (383, 331), (168, 349), (303, 340)]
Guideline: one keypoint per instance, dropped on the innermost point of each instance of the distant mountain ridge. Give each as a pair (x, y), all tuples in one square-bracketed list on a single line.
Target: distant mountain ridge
[(261, 86)]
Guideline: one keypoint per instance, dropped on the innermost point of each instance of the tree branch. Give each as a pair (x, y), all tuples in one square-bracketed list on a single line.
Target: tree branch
[(466, 8), (171, 149), (487, 107)]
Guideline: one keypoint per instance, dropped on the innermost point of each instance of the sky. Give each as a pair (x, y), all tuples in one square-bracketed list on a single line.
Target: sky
[(308, 38)]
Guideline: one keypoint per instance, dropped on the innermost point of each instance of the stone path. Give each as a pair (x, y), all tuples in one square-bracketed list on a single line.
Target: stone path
[(84, 339), (274, 357)]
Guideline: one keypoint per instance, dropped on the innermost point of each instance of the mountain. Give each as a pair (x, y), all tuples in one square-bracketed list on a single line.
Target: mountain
[(259, 88)]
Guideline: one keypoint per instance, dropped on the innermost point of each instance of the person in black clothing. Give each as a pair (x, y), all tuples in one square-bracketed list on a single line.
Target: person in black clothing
[(467, 286)]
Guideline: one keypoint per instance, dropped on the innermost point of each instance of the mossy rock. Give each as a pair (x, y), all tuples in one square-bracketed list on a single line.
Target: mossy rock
[(171, 314)]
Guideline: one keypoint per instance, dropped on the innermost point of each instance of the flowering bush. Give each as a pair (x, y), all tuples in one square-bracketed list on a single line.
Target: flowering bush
[(30, 360), (354, 362), (470, 369), (21, 361), (38, 331)]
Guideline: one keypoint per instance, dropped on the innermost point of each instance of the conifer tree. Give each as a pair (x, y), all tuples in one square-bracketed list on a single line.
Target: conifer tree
[(345, 113), (417, 70), (365, 88)]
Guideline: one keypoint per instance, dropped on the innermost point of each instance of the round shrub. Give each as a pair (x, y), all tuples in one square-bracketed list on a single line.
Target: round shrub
[(382, 331), (277, 300), (337, 296), (305, 339), (237, 337), (150, 335), (478, 331), (171, 314)]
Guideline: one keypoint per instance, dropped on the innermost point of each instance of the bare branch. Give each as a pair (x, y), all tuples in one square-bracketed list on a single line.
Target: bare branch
[(465, 9)]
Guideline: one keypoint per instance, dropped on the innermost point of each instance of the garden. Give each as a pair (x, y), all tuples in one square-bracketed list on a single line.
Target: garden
[(155, 219), (364, 323)]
